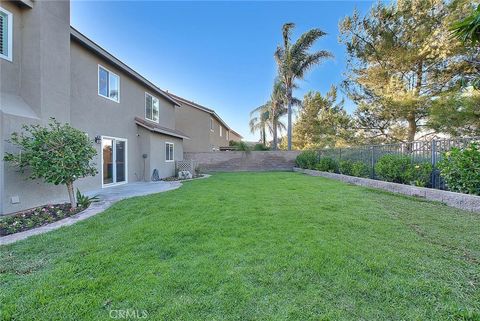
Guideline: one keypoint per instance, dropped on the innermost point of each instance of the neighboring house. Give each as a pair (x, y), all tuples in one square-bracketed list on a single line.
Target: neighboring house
[(207, 131), (49, 69)]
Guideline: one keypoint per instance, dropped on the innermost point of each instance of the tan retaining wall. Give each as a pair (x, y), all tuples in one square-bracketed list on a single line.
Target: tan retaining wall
[(458, 200), (244, 161)]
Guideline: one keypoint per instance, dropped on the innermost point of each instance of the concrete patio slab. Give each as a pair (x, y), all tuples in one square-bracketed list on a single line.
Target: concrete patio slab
[(107, 196)]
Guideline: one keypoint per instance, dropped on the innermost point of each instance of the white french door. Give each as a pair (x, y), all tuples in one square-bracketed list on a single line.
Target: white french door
[(114, 161)]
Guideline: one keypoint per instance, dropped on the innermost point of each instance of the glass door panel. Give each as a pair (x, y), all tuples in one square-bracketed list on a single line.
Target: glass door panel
[(107, 146), (114, 160), (120, 160)]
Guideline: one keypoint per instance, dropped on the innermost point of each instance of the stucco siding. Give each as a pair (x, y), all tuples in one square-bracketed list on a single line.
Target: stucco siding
[(196, 124), (99, 116), (216, 140), (158, 153)]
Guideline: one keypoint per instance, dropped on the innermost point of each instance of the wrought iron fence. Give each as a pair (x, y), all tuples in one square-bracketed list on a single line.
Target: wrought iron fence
[(419, 151)]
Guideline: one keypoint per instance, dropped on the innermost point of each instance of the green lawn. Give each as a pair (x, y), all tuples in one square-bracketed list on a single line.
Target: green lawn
[(243, 246)]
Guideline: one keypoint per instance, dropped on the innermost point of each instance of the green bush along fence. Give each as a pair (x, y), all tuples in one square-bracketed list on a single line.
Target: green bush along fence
[(424, 155)]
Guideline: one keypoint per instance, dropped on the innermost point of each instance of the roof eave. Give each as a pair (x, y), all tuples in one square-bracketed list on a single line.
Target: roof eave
[(160, 131), (89, 44)]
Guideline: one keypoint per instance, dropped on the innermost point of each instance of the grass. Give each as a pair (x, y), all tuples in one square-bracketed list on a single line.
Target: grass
[(243, 246)]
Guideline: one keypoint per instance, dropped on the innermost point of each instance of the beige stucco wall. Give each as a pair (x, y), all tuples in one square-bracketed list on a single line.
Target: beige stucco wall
[(235, 137), (53, 76), (97, 115), (38, 78), (215, 139), (196, 124)]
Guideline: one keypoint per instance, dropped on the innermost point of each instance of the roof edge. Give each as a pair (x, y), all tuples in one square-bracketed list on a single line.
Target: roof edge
[(205, 109), (90, 44), (156, 129)]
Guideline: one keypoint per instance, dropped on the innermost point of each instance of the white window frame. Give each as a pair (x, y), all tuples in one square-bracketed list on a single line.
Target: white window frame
[(220, 130), (9, 55), (211, 125), (173, 152), (98, 83), (153, 97), (113, 160)]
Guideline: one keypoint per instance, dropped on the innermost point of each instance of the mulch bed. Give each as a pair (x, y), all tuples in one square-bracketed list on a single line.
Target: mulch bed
[(26, 220)]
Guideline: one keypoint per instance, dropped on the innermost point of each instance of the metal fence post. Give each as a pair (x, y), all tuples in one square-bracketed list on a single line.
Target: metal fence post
[(434, 162), (372, 156)]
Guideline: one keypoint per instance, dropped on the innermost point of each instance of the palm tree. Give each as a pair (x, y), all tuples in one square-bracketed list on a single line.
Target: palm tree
[(294, 60), (259, 119), (277, 107)]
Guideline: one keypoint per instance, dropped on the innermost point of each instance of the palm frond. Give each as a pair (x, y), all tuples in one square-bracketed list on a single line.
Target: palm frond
[(305, 42), (309, 61), (287, 31)]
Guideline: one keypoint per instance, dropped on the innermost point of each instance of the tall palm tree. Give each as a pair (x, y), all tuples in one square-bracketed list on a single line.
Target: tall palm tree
[(259, 119), (294, 60), (277, 106)]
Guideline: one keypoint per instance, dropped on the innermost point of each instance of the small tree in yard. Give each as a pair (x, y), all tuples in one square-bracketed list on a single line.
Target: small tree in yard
[(58, 154)]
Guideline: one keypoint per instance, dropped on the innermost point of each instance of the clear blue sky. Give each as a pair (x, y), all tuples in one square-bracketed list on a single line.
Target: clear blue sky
[(218, 54)]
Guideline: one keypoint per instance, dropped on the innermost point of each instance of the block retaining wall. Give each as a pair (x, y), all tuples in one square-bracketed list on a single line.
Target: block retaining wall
[(230, 161), (458, 200)]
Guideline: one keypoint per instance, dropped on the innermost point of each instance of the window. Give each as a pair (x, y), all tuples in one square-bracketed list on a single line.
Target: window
[(211, 124), (228, 135), (169, 152), (221, 130), (108, 84), (6, 34), (152, 107)]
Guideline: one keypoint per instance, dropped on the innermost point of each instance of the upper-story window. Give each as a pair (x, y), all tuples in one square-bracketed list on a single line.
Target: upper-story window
[(152, 107), (220, 130), (211, 124), (108, 84), (6, 34)]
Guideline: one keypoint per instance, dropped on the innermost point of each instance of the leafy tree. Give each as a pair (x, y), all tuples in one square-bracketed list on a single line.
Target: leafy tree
[(400, 57), (294, 60), (58, 154), (322, 122), (456, 114)]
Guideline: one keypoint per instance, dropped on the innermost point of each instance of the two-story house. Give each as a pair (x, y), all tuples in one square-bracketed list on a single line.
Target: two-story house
[(208, 132), (48, 69)]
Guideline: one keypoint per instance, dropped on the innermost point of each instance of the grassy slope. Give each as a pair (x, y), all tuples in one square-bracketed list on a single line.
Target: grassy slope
[(252, 246)]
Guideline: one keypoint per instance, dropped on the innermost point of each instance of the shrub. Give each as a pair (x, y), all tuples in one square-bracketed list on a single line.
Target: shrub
[(327, 164), (84, 200), (393, 168), (419, 174), (59, 154), (360, 169), (345, 167), (307, 159), (260, 147), (241, 145), (460, 168)]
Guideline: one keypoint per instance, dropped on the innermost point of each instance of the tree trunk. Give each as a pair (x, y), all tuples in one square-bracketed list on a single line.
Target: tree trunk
[(289, 109), (264, 138), (275, 136), (411, 118), (412, 127), (71, 195)]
